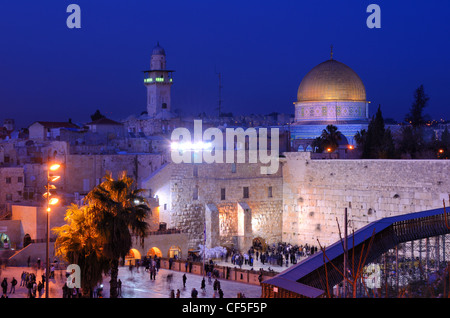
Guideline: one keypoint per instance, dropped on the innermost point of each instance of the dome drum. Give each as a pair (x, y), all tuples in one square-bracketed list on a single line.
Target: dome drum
[(331, 111)]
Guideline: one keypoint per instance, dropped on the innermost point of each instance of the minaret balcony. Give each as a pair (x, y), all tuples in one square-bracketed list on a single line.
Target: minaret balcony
[(151, 80)]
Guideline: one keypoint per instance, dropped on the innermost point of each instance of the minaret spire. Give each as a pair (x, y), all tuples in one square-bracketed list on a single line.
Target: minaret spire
[(331, 52)]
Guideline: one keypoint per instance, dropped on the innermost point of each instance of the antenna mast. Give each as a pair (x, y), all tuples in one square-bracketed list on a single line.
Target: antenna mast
[(220, 93)]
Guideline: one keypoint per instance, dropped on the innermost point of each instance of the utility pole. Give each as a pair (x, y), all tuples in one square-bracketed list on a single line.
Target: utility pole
[(345, 253)]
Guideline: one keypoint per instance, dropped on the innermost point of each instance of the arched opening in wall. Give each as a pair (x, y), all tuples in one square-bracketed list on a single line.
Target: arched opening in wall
[(26, 240), (4, 241), (259, 244), (300, 148), (154, 251), (132, 256), (174, 252)]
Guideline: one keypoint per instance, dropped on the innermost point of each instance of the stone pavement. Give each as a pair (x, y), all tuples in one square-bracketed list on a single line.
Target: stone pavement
[(137, 284)]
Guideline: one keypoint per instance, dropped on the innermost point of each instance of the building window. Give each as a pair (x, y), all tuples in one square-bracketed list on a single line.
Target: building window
[(20, 179), (86, 185), (8, 197), (195, 194), (8, 180), (222, 194), (195, 173), (233, 168), (165, 206), (246, 193), (269, 192)]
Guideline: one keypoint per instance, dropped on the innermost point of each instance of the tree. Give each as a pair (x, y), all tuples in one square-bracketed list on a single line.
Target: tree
[(97, 115), (119, 213), (415, 116), (377, 142), (412, 142), (360, 138), (330, 137), (445, 138), (78, 242)]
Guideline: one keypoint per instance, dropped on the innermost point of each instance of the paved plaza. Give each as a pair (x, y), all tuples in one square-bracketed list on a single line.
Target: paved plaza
[(136, 284)]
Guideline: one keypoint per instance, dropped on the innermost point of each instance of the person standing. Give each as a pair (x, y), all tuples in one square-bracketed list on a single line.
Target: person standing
[(216, 285), (184, 280), (119, 287), (13, 286), (203, 285), (194, 293), (4, 286)]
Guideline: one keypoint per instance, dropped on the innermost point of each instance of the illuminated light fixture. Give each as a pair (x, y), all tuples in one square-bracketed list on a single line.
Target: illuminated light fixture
[(53, 201), (54, 167), (441, 150), (351, 147), (329, 149), (148, 80), (54, 178)]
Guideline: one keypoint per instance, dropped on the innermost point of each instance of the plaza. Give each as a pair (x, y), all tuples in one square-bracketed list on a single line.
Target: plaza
[(136, 284)]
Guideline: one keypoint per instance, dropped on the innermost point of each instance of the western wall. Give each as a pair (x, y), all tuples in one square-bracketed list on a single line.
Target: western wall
[(316, 193), (306, 202)]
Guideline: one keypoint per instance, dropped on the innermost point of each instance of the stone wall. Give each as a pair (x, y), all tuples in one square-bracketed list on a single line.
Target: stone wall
[(12, 185), (185, 190), (83, 172), (316, 193)]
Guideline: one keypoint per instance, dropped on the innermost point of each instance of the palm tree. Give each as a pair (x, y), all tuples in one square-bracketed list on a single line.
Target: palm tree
[(79, 243), (119, 212), (330, 137)]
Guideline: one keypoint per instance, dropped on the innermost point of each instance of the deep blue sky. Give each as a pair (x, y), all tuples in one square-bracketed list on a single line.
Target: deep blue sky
[(262, 48)]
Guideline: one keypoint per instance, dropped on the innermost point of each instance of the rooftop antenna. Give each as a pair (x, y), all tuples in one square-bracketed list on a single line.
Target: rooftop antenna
[(331, 52), (220, 92)]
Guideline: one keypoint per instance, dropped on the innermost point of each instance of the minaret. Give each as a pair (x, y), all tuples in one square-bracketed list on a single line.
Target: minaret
[(158, 81)]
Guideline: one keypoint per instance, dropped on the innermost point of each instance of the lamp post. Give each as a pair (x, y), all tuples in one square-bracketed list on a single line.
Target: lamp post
[(52, 201)]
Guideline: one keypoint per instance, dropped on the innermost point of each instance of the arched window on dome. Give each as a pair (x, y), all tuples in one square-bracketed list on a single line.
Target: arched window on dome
[(300, 148)]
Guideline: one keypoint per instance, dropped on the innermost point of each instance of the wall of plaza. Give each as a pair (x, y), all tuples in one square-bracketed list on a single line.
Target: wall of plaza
[(192, 195), (83, 172), (316, 193)]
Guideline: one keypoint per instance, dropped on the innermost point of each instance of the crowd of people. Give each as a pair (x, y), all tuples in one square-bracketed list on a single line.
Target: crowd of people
[(280, 254), (27, 280)]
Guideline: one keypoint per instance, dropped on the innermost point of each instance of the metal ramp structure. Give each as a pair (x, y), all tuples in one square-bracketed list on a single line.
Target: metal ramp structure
[(308, 279)]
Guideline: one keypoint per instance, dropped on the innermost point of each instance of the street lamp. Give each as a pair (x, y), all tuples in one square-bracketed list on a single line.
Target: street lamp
[(50, 201)]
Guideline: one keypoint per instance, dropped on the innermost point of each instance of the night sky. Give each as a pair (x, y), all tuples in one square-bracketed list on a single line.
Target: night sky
[(262, 48)]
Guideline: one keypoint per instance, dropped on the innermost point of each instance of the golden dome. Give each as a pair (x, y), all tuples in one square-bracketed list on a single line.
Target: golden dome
[(331, 81)]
